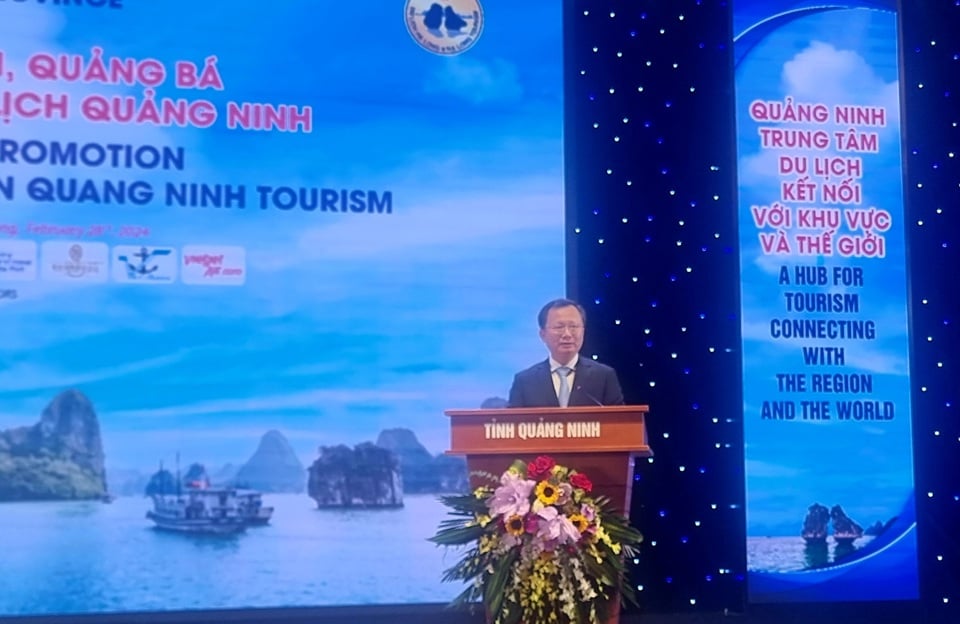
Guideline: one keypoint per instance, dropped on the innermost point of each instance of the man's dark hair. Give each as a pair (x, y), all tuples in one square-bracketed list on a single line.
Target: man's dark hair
[(559, 303)]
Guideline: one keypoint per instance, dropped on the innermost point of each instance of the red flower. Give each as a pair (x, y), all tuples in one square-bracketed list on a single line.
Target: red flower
[(581, 481), (540, 467)]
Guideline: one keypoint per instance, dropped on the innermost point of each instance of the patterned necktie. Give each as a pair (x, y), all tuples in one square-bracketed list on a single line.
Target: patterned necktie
[(564, 395)]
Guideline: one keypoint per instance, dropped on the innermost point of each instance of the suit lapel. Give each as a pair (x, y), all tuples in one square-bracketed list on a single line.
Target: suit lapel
[(545, 385), (581, 380)]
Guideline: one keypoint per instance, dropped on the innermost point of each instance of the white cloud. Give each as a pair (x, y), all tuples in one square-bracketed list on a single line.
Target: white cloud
[(822, 73), (312, 399), (477, 82), (452, 221), (823, 70), (29, 376)]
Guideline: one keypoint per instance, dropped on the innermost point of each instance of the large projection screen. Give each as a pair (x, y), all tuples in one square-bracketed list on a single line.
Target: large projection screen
[(238, 241)]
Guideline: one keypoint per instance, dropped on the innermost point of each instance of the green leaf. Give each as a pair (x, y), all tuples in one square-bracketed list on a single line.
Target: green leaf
[(493, 588), (459, 535)]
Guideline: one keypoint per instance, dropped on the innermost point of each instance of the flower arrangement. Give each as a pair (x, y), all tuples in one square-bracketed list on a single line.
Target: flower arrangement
[(540, 548)]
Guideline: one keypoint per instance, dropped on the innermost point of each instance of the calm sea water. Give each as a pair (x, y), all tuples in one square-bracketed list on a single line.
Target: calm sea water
[(93, 557), (792, 554)]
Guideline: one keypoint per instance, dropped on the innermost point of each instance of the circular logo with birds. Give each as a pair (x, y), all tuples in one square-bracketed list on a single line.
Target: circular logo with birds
[(446, 28)]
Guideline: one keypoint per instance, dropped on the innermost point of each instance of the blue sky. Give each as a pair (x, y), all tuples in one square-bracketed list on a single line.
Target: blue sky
[(835, 57), (347, 324)]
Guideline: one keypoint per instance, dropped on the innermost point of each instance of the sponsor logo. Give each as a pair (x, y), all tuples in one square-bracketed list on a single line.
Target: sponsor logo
[(144, 265), (65, 261), (214, 265), (447, 28), (18, 260)]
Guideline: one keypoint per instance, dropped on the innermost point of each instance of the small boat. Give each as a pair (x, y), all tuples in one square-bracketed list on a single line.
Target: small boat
[(251, 508), (198, 511)]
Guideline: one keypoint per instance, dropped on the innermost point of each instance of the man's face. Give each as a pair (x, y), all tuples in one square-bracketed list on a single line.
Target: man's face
[(563, 333)]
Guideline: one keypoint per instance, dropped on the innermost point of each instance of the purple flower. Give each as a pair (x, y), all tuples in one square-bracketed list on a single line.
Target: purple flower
[(532, 523), (556, 528), (512, 497)]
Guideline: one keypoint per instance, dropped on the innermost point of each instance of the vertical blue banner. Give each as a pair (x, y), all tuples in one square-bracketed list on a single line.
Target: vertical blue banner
[(829, 471)]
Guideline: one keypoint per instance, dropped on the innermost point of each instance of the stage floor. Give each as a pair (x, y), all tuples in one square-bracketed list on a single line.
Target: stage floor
[(840, 613)]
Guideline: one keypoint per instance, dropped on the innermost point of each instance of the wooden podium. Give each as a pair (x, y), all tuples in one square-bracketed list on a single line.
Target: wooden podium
[(601, 442)]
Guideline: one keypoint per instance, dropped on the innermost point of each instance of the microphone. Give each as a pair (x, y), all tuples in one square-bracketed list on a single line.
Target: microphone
[(579, 388)]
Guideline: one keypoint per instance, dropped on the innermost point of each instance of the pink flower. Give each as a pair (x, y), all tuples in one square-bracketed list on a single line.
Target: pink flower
[(556, 528), (512, 498)]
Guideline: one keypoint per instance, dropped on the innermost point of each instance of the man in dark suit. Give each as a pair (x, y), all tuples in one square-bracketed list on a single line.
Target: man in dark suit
[(565, 378)]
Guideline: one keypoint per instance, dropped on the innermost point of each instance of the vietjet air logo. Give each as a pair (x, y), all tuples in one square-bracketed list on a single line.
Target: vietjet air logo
[(448, 27)]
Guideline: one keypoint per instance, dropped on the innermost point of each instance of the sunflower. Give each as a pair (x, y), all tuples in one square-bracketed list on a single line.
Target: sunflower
[(515, 525), (579, 521), (547, 493)]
